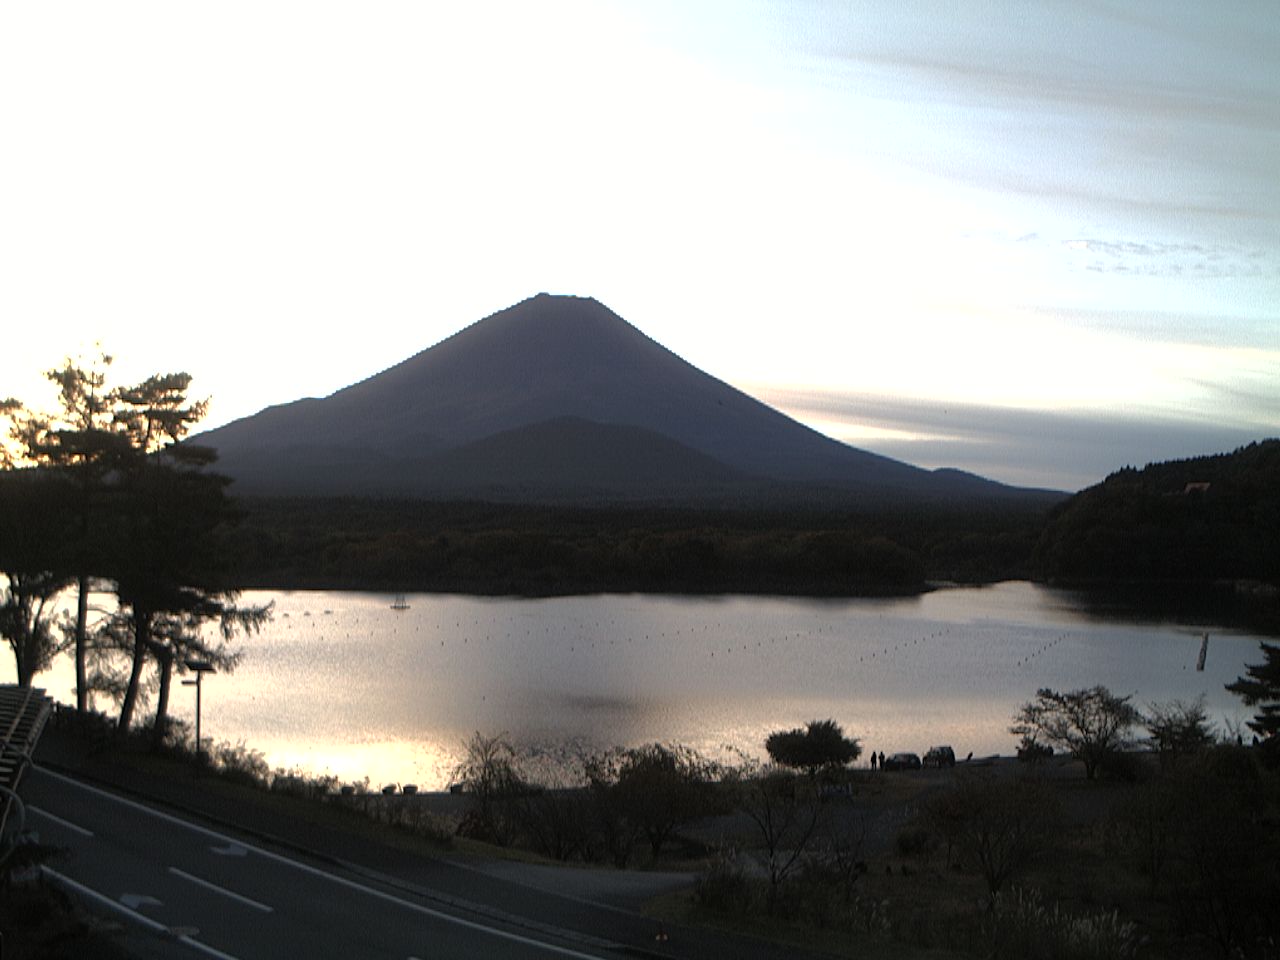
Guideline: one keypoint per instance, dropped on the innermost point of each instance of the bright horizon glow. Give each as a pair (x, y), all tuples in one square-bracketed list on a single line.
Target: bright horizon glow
[(1050, 218)]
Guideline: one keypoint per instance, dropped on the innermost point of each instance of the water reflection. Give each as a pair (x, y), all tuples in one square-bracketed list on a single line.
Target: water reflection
[(340, 683)]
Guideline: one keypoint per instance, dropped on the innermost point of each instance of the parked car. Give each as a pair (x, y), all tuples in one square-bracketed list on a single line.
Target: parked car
[(902, 761), (940, 757)]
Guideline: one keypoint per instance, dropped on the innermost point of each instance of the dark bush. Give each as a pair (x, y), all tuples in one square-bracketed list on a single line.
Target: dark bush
[(916, 841), (1032, 750)]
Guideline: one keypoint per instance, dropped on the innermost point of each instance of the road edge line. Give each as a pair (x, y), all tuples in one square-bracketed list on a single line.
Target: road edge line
[(153, 925)]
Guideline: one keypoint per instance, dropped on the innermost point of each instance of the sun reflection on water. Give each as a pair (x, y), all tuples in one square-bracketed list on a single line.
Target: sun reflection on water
[(340, 684)]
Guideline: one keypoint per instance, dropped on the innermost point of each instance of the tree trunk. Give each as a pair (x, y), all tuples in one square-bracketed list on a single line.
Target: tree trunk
[(164, 657), (141, 643), (23, 662), (82, 619)]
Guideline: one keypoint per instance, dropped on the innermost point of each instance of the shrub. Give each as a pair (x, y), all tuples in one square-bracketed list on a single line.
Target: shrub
[(556, 823), (1178, 728), (726, 888), (1021, 926), (1127, 767), (916, 842), (820, 744), (999, 828), (240, 764), (650, 791), (1032, 750), (489, 776)]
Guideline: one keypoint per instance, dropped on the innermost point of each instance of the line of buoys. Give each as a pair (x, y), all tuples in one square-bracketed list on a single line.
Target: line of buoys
[(1022, 661), (900, 645)]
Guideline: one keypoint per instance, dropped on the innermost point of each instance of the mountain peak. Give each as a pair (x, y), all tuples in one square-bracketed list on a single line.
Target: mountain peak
[(548, 359)]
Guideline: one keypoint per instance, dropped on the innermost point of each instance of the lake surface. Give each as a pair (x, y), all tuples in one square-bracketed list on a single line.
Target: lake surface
[(341, 683)]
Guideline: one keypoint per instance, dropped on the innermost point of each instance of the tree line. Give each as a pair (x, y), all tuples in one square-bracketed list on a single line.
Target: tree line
[(101, 495), (1197, 520), (523, 549)]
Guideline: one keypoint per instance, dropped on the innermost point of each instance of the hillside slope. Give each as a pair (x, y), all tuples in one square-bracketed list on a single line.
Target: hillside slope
[(542, 365), (1203, 519)]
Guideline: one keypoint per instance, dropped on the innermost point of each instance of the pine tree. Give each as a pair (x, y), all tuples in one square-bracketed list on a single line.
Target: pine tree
[(1262, 687)]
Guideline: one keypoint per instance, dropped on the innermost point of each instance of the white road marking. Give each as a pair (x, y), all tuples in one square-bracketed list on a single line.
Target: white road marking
[(135, 900), (222, 890), (74, 828), (230, 850), (133, 915), (333, 878)]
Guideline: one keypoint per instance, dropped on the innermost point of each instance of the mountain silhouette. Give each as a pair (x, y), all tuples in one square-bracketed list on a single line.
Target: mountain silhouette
[(556, 398)]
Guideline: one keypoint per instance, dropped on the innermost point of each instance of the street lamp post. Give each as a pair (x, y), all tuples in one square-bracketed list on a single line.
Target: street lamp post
[(200, 667)]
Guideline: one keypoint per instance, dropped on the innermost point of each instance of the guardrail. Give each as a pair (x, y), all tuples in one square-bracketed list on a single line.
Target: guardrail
[(23, 714)]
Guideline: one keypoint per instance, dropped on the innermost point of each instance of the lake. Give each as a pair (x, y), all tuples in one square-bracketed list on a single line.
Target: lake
[(341, 683)]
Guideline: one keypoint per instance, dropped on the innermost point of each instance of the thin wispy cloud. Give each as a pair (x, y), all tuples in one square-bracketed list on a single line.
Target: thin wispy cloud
[(1152, 258), (1165, 108), (1056, 449), (1053, 204), (1260, 333)]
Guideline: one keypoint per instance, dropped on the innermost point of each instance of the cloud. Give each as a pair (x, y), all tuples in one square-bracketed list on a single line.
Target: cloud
[(1175, 259), (1219, 330), (1151, 111), (1055, 449), (1186, 64)]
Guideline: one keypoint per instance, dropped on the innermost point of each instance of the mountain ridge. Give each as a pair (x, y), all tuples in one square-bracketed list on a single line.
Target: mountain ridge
[(547, 360)]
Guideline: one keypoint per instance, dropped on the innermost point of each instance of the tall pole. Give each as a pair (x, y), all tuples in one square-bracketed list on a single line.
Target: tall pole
[(200, 668), (199, 677)]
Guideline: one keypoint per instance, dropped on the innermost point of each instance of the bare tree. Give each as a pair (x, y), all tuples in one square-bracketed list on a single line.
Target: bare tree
[(1178, 728), (656, 788), (1091, 724), (999, 827), (788, 813), (489, 774)]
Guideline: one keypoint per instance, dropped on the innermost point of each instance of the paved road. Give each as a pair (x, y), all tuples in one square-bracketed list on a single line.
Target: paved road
[(217, 896)]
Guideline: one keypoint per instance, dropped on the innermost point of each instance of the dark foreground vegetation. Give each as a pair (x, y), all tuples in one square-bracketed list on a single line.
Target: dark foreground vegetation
[(1097, 843), (1101, 843), (38, 921), (540, 550)]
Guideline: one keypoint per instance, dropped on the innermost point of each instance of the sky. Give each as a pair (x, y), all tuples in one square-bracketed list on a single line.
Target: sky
[(1037, 240)]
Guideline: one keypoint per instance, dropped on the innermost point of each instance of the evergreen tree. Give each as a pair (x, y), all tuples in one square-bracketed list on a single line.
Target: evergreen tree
[(33, 531), (78, 442), (166, 558), (1262, 688), (820, 744), (143, 514)]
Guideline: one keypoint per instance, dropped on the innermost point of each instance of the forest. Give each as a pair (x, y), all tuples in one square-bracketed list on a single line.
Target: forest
[(1207, 518), (541, 550), (1198, 539)]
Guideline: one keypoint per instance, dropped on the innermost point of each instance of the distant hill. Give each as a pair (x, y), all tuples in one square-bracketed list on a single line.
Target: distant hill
[(559, 399), (1199, 520)]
